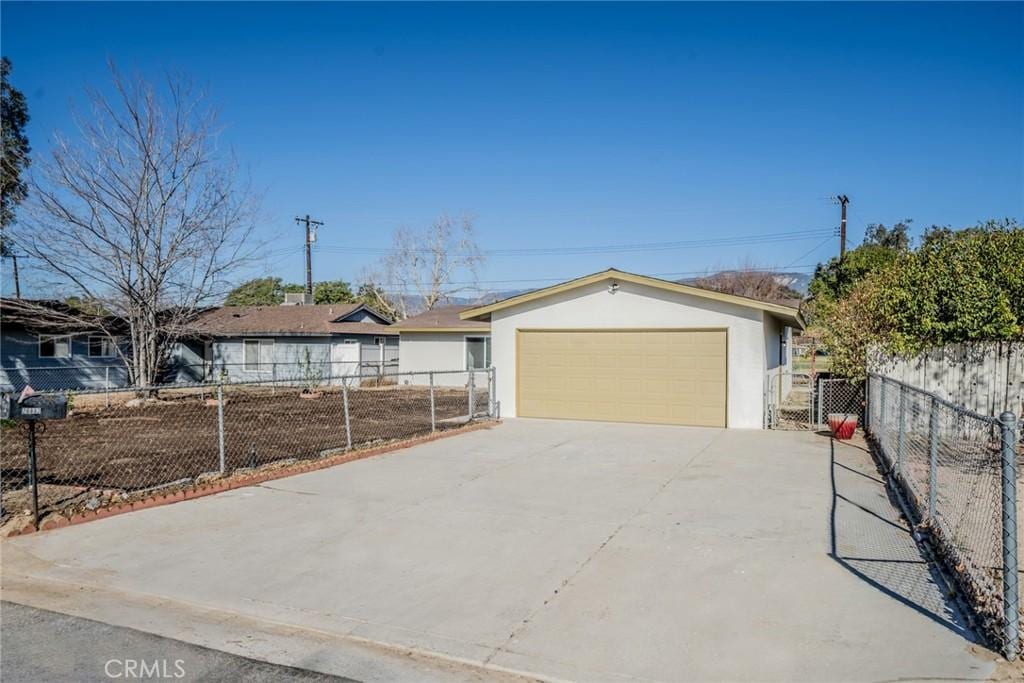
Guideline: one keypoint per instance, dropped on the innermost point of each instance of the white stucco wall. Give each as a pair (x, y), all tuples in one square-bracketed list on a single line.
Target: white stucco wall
[(772, 328), (640, 306), (423, 352)]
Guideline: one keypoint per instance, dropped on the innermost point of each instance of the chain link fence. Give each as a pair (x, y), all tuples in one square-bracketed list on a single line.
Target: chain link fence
[(957, 470), (116, 446), (112, 377)]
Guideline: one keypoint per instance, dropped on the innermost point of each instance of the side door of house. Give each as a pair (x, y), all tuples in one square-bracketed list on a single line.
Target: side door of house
[(345, 356)]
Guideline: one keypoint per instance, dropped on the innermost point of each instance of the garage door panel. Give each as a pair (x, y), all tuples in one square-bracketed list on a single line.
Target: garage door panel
[(658, 376)]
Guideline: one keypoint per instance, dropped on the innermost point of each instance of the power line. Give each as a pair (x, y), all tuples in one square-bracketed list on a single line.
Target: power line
[(812, 250)]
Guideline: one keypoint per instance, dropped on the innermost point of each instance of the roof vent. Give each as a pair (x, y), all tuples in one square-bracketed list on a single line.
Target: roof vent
[(297, 299)]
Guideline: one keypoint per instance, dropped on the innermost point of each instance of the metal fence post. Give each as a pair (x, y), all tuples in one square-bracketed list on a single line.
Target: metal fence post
[(472, 395), (106, 384), (869, 422), (33, 472), (821, 400), (348, 422), (933, 459), (881, 406), (220, 427), (1011, 582), (901, 433), (490, 392), (810, 401), (433, 412), (273, 378)]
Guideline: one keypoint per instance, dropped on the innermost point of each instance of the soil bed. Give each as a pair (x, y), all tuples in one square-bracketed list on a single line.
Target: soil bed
[(159, 443)]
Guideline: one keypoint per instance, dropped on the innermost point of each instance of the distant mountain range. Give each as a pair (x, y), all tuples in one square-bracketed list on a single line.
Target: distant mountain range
[(795, 281)]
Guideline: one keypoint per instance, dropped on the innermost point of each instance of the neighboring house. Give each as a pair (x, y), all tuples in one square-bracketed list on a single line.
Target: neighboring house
[(440, 340), (251, 343), (622, 347), (47, 356)]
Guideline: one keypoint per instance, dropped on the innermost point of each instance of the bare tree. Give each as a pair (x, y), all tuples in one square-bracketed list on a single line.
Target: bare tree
[(750, 281), (421, 269), (141, 216)]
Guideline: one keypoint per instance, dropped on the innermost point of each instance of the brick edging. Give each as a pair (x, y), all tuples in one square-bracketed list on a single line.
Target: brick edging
[(240, 481)]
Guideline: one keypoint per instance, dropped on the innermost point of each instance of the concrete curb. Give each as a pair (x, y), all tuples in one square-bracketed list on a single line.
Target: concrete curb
[(56, 520)]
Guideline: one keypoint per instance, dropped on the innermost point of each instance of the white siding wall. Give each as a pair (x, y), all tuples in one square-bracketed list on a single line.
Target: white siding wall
[(287, 350), (290, 352), (427, 351), (639, 306)]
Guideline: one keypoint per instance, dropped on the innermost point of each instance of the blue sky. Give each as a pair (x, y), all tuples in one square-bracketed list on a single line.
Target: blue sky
[(574, 124)]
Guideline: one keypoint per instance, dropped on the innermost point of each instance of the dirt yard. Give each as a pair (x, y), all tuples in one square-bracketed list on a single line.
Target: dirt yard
[(125, 448)]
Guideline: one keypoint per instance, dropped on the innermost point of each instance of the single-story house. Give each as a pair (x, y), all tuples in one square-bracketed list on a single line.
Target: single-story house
[(41, 351), (305, 341), (441, 340), (623, 347)]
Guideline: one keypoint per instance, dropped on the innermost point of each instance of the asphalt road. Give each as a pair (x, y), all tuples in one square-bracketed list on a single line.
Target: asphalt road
[(39, 645)]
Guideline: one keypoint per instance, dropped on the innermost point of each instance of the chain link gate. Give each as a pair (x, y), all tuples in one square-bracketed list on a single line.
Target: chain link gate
[(839, 395), (789, 401), (802, 401)]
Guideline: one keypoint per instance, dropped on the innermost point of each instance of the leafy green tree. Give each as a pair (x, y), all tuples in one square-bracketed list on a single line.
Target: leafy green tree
[(964, 285), (14, 117), (333, 292), (897, 237), (270, 291), (263, 291), (837, 278)]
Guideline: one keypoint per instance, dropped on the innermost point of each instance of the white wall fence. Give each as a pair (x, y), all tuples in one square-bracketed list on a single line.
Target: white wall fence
[(985, 377)]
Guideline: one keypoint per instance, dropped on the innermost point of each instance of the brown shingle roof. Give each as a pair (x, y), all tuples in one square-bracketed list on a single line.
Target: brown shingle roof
[(230, 321), (441, 318)]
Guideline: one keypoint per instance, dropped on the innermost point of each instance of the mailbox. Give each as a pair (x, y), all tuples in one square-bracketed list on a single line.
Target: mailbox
[(39, 407)]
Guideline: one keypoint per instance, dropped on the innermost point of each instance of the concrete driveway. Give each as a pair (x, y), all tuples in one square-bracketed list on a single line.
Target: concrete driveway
[(583, 551)]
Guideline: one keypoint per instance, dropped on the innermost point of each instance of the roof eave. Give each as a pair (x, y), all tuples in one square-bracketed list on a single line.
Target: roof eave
[(400, 330), (778, 309), (388, 332)]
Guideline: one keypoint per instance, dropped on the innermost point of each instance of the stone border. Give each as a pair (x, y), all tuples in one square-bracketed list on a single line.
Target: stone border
[(56, 520)]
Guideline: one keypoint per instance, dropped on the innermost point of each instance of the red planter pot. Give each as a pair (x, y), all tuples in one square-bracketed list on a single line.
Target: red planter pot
[(843, 425)]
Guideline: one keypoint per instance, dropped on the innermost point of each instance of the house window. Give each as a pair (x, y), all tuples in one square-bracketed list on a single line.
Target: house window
[(378, 341), (478, 353), (102, 347), (257, 355), (51, 346)]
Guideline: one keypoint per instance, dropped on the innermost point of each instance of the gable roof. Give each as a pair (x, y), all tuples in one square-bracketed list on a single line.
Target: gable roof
[(303, 320), (787, 313), (442, 319)]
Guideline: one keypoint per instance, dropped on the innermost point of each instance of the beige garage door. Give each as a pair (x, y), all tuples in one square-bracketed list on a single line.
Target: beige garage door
[(659, 376)]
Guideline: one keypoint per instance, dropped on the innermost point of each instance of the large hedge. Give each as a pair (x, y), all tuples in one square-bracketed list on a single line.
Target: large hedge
[(964, 285)]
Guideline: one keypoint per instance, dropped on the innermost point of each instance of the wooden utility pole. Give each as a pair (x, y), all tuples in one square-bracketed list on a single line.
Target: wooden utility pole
[(309, 222), (843, 201), (17, 282)]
